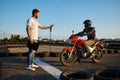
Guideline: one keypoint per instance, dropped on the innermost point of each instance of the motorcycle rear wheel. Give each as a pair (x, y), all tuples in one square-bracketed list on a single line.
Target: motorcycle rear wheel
[(65, 60), (98, 56)]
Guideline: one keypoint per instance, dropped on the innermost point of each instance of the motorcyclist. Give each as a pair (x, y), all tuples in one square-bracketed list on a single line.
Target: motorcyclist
[(90, 33)]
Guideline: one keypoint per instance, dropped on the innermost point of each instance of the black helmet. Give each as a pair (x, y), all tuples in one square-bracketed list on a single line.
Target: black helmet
[(87, 21)]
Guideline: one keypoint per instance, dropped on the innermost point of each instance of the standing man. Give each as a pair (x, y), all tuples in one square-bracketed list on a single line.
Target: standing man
[(32, 32)]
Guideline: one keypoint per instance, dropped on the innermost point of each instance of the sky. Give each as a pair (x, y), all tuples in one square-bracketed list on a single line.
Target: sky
[(67, 15)]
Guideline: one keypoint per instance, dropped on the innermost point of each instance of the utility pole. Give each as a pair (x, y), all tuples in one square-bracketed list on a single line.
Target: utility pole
[(50, 41)]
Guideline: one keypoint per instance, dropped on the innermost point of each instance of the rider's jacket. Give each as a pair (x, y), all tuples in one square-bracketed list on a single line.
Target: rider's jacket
[(90, 32)]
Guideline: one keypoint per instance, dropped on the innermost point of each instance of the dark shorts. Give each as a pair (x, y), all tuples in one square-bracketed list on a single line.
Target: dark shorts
[(33, 46)]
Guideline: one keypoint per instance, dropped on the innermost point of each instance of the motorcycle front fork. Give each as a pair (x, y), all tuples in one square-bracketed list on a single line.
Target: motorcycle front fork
[(71, 51), (73, 48)]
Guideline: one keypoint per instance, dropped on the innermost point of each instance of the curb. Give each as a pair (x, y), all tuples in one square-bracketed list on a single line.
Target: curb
[(111, 51)]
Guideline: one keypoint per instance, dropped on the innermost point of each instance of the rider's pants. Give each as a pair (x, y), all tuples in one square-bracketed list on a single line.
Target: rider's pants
[(88, 43)]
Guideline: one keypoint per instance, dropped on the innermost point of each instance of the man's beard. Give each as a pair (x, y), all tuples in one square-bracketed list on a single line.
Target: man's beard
[(36, 17)]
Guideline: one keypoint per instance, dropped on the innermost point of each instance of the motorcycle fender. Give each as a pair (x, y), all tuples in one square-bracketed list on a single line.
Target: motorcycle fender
[(68, 48)]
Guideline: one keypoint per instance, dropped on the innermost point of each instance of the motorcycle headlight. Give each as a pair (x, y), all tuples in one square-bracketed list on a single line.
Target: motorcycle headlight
[(68, 41)]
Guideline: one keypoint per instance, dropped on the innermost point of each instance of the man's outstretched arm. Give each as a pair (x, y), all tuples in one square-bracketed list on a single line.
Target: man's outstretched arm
[(45, 27)]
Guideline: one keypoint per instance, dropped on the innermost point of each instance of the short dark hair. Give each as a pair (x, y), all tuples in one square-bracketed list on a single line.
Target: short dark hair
[(35, 11)]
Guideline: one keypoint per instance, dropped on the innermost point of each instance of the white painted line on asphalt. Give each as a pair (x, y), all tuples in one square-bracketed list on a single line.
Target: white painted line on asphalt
[(49, 68)]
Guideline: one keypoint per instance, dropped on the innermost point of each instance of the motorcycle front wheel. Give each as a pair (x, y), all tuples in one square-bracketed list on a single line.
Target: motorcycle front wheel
[(65, 60)]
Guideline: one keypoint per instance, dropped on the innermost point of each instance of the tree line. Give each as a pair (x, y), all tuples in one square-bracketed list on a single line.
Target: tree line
[(14, 38), (18, 39)]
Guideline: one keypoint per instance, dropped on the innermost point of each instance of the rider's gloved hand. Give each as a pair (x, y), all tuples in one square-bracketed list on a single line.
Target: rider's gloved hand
[(84, 34)]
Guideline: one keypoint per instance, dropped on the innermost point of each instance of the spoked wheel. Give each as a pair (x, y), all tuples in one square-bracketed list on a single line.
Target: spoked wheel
[(98, 56), (65, 60)]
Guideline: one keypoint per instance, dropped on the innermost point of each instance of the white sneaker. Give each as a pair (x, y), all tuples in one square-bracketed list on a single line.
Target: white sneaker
[(30, 68), (85, 54), (35, 66)]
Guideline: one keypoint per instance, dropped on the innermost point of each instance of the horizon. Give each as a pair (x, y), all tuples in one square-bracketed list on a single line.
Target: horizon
[(67, 15)]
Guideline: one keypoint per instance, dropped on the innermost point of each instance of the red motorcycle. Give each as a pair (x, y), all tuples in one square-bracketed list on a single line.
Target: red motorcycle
[(77, 51)]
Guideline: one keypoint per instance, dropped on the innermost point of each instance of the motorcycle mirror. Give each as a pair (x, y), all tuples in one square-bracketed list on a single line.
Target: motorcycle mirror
[(73, 32)]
